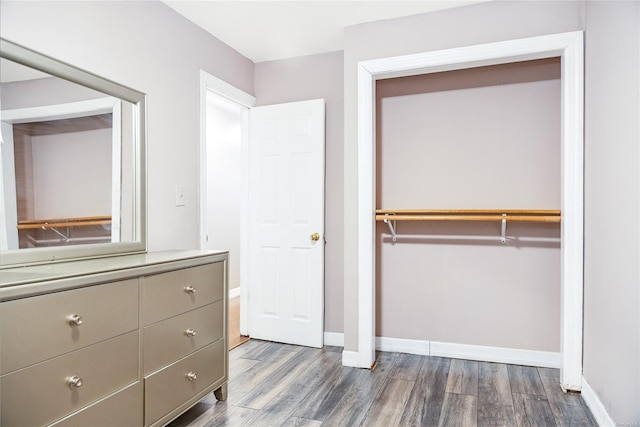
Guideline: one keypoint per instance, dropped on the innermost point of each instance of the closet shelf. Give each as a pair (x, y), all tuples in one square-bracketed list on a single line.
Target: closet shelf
[(32, 224), (502, 215)]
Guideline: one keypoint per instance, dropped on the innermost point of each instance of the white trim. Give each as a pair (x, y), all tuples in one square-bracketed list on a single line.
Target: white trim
[(596, 407), (351, 358), (569, 47), (244, 221), (399, 345), (234, 293), (572, 227), (226, 90), (366, 218), (513, 356), (116, 173), (483, 353), (209, 83), (334, 338), (9, 211), (69, 110)]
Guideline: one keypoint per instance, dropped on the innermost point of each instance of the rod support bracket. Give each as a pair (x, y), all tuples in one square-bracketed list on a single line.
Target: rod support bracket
[(392, 228), (504, 228)]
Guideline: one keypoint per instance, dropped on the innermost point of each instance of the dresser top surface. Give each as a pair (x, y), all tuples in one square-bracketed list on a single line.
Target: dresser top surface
[(14, 280)]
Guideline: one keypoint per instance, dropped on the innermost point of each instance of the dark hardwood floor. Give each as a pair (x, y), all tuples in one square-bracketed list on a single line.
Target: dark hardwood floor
[(282, 385)]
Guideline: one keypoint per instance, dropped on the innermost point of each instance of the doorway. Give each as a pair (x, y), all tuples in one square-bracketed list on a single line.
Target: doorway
[(268, 175), (224, 183), (223, 210)]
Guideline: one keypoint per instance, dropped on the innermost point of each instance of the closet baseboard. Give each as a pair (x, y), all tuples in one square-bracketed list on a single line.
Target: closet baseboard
[(595, 405), (400, 345), (513, 356)]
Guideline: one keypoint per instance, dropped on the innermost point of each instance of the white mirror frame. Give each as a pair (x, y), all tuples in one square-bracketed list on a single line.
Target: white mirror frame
[(570, 48), (38, 61)]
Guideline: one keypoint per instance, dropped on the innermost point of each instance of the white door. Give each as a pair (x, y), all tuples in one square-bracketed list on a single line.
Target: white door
[(286, 215)]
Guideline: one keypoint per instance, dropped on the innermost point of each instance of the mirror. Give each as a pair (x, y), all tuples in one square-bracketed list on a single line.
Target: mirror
[(72, 162)]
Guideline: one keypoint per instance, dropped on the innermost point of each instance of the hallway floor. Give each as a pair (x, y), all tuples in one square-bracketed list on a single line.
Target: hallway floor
[(235, 339)]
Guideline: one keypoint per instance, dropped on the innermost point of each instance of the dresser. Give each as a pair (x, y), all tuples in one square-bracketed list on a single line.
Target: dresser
[(132, 340)]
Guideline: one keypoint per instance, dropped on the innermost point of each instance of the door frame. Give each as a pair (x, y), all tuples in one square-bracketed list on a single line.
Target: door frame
[(210, 83), (570, 48)]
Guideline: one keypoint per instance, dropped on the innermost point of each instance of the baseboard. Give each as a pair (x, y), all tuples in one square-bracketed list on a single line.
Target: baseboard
[(234, 293), (514, 356), (350, 358), (470, 352), (334, 338), (399, 345), (595, 405)]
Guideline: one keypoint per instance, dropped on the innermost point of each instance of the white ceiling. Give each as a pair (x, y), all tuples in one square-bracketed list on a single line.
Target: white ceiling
[(268, 30)]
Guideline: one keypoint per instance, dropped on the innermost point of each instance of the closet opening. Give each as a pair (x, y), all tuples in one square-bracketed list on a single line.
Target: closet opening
[(566, 48), (456, 147)]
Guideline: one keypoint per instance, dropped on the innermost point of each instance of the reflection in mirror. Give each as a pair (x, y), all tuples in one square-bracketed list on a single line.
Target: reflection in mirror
[(72, 164)]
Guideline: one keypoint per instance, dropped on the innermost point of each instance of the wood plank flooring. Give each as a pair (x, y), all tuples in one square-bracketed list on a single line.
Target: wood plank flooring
[(235, 339), (283, 385)]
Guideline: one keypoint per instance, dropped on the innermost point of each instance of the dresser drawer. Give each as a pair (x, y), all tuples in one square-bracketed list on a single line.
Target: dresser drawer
[(122, 409), (42, 393), (167, 389), (176, 337), (172, 293), (39, 328)]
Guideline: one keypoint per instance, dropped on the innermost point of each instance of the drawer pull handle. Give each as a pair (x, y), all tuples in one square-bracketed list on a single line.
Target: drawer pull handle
[(190, 289), (74, 382), (191, 376), (75, 320), (190, 332)]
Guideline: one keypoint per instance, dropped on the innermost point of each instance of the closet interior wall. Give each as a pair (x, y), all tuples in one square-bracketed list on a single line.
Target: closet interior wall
[(480, 138)]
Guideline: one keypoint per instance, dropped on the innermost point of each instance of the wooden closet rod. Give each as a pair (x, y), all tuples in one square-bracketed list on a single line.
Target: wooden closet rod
[(515, 215), (31, 224)]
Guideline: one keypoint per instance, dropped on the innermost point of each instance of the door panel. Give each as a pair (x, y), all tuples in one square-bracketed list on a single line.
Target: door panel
[(286, 206)]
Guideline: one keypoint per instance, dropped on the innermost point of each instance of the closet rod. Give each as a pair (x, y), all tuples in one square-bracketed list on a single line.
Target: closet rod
[(512, 218), (63, 222), (519, 215), (515, 215)]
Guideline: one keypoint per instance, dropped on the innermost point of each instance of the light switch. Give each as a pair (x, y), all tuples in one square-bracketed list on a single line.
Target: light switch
[(179, 195)]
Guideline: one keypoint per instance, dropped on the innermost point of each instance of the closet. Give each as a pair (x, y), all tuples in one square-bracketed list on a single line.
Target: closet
[(468, 195), (52, 171)]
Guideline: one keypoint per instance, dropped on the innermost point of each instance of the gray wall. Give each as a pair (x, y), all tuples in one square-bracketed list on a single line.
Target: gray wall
[(612, 207), (149, 47), (310, 77)]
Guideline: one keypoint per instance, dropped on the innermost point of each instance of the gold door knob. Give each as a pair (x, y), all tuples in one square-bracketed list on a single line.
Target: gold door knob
[(315, 237)]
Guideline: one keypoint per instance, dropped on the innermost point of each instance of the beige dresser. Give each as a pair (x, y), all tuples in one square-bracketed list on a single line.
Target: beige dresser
[(131, 340)]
